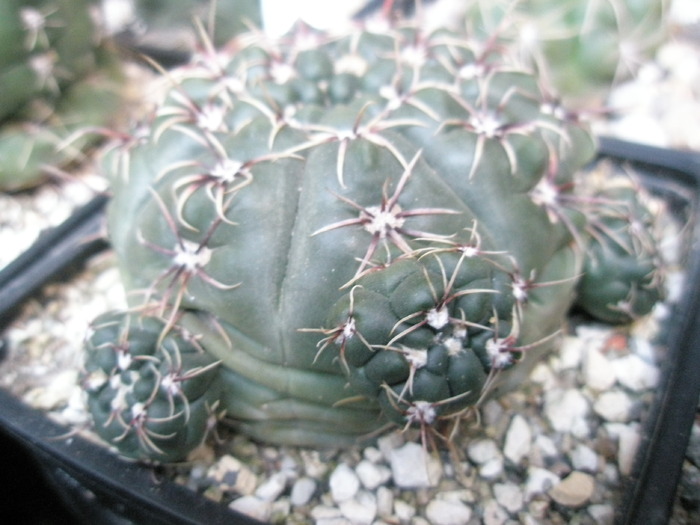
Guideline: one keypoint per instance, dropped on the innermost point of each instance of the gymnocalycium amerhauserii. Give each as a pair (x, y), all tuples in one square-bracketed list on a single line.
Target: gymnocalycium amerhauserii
[(324, 236)]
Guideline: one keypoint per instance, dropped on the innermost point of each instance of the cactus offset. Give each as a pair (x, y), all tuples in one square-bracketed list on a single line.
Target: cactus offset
[(360, 230)]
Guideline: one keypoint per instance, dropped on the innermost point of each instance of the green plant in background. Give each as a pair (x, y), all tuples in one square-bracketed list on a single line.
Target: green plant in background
[(580, 47), (326, 236), (56, 77), (229, 17)]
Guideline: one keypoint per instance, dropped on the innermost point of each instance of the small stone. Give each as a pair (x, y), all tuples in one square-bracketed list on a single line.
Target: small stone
[(483, 450), (574, 490), (371, 475), (302, 491), (613, 406), (509, 496), (373, 454), (518, 440), (403, 510), (412, 467), (492, 469), (565, 409), (597, 373), (584, 458), (325, 512), (390, 442), (343, 483), (693, 451), (539, 481), (441, 512), (313, 465), (634, 373), (537, 512), (494, 514), (55, 391), (253, 507), (546, 446), (281, 508), (271, 489), (361, 510), (602, 514), (385, 502), (543, 375), (627, 444), (492, 413), (233, 476), (570, 352)]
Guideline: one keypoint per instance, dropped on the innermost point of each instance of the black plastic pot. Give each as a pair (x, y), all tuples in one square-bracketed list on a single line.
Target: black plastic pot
[(98, 487)]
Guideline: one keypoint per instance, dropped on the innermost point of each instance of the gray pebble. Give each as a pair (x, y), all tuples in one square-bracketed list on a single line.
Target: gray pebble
[(302, 491)]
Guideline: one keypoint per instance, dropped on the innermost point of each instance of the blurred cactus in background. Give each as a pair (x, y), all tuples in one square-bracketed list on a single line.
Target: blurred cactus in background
[(168, 24), (579, 47), (56, 78)]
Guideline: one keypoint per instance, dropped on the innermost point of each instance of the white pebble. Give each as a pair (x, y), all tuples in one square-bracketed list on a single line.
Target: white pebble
[(371, 475), (543, 375), (613, 406), (385, 502), (628, 443), (570, 352), (441, 512), (373, 454), (302, 491), (272, 487), (597, 373), (482, 450), (343, 483), (539, 480), (494, 514), (634, 373), (404, 511), (546, 446), (584, 458), (412, 467), (518, 440), (509, 496), (602, 514), (565, 409), (642, 346), (325, 512), (253, 507), (360, 510), (492, 469)]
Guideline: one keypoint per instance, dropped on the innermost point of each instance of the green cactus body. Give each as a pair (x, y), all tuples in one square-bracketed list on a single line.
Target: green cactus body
[(56, 78), (581, 47), (230, 17), (160, 393), (361, 230)]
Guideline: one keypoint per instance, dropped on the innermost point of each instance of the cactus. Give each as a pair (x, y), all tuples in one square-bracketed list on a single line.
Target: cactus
[(361, 231), (230, 17), (56, 78), (582, 47)]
